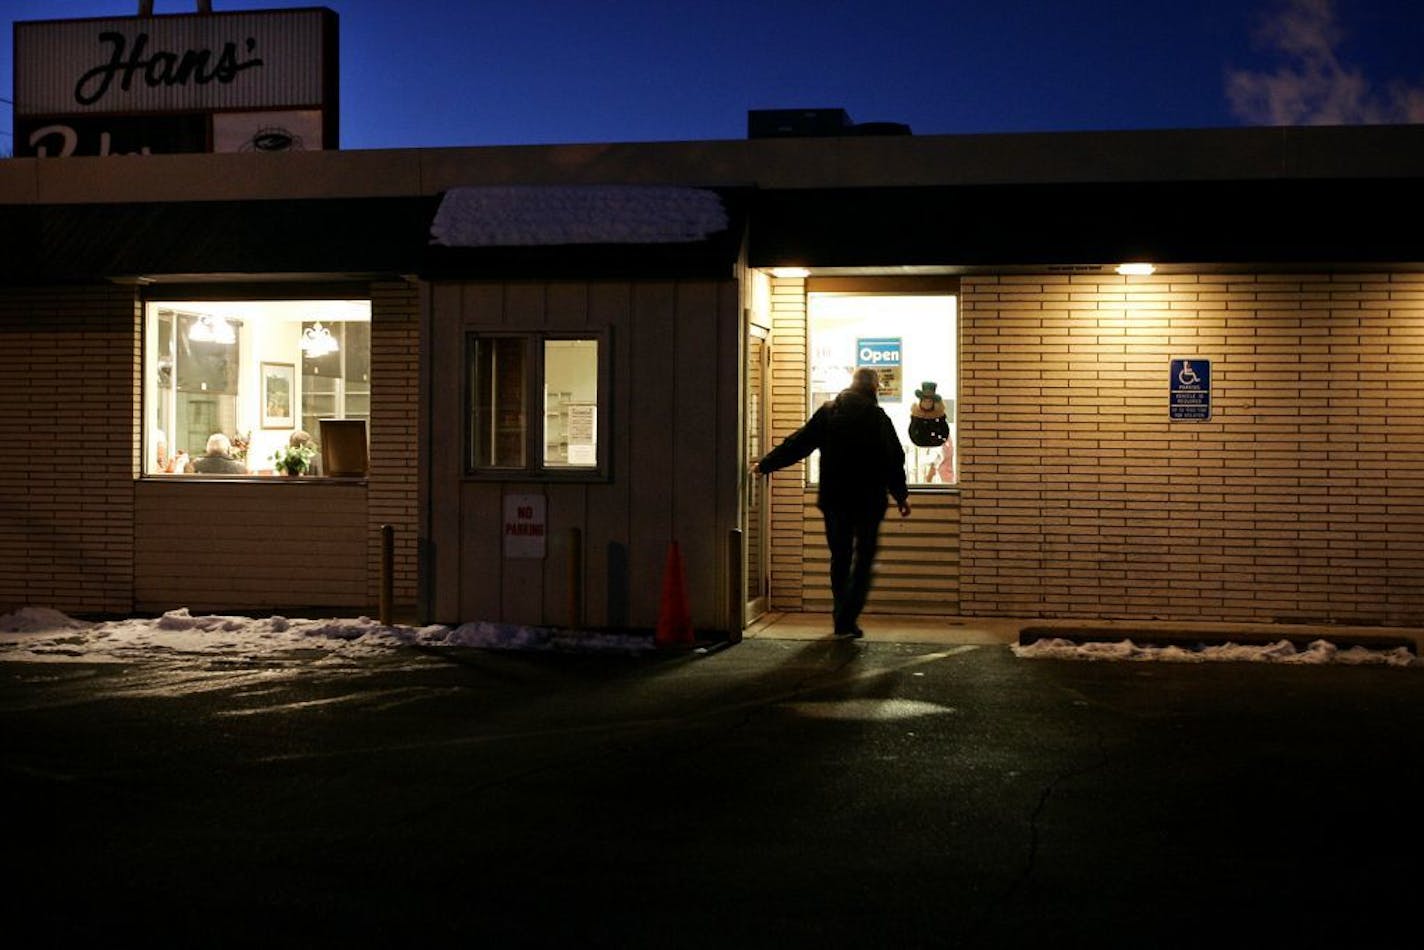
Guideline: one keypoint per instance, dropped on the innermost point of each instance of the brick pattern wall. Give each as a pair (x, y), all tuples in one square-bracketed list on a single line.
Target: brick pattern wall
[(69, 410), (394, 492), (787, 411), (1299, 500), (916, 566), (277, 545)]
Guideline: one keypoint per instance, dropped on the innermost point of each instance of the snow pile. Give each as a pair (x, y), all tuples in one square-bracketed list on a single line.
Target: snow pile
[(1282, 651), (34, 634), (37, 634), (536, 215), (503, 636), (39, 620)]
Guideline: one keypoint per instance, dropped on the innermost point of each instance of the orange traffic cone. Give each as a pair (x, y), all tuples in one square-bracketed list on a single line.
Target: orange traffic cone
[(674, 615)]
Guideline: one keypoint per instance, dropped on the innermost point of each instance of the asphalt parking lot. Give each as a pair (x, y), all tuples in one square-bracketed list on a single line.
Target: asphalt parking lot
[(775, 793)]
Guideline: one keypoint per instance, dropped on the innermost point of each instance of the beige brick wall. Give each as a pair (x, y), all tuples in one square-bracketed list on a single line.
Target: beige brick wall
[(277, 544), (68, 413), (787, 411), (71, 533), (394, 488), (1298, 500)]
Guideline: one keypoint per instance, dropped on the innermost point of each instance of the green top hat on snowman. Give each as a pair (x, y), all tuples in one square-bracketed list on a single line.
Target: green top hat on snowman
[(927, 391)]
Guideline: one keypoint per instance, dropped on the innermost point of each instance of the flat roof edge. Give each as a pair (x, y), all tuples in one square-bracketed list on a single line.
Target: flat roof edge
[(1381, 151)]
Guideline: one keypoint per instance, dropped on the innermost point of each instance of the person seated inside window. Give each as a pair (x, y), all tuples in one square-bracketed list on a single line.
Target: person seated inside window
[(218, 459)]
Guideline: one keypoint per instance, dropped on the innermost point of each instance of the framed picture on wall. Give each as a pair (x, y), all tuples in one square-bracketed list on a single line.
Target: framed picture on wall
[(279, 384)]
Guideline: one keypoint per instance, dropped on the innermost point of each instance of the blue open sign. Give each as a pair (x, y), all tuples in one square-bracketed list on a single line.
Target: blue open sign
[(877, 351)]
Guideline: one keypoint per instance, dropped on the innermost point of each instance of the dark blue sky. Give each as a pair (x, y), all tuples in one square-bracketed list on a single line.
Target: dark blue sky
[(483, 72)]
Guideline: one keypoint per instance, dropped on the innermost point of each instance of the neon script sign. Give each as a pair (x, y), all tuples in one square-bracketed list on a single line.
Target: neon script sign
[(197, 67)]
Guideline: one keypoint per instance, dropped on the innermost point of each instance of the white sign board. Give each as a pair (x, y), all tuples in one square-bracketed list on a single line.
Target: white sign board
[(261, 80), (260, 59), (583, 434), (525, 526)]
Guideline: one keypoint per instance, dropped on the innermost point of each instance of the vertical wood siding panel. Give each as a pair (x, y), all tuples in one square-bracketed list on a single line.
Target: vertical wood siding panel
[(567, 509), (567, 304), (524, 306), (653, 457), (608, 535), (696, 399), (453, 308), (482, 564)]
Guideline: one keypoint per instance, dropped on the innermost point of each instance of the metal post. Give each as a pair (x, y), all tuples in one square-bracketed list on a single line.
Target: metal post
[(736, 594), (388, 549)]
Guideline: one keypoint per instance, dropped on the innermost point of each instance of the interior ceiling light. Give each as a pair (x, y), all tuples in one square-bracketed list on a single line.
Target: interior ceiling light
[(211, 329), (318, 341), (790, 272), (1138, 269)]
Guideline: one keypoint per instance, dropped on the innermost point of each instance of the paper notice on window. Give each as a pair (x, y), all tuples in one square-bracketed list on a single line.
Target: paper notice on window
[(583, 434)]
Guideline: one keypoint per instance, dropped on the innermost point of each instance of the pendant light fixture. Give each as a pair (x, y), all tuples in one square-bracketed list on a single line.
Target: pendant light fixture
[(317, 341)]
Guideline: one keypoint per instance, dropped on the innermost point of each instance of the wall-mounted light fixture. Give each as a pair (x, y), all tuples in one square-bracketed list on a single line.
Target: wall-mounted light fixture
[(1137, 269), (790, 272)]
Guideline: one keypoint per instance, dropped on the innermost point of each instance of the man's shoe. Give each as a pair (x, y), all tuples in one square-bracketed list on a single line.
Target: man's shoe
[(850, 633)]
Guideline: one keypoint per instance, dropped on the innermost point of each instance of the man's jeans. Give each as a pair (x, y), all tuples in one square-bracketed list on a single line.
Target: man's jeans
[(852, 535)]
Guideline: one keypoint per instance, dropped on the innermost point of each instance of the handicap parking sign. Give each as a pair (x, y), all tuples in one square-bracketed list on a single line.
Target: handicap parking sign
[(1190, 390)]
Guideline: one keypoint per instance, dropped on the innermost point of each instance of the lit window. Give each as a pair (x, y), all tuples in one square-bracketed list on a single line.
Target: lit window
[(910, 340), (534, 403), (244, 376)]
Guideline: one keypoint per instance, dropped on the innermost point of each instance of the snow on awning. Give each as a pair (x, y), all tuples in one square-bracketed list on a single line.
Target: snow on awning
[(538, 215)]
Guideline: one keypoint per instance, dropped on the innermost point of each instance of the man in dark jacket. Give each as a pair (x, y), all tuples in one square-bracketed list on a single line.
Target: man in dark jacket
[(861, 460)]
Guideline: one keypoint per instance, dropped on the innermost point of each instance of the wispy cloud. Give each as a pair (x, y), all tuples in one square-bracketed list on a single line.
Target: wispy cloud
[(1312, 86)]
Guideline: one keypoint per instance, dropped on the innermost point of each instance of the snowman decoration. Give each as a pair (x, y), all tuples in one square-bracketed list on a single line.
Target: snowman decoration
[(929, 429)]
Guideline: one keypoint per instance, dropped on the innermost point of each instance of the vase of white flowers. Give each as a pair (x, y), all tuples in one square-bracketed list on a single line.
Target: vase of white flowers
[(293, 459)]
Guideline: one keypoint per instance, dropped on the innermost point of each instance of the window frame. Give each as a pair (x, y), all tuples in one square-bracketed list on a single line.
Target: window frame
[(169, 294), (881, 286), (535, 469)]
